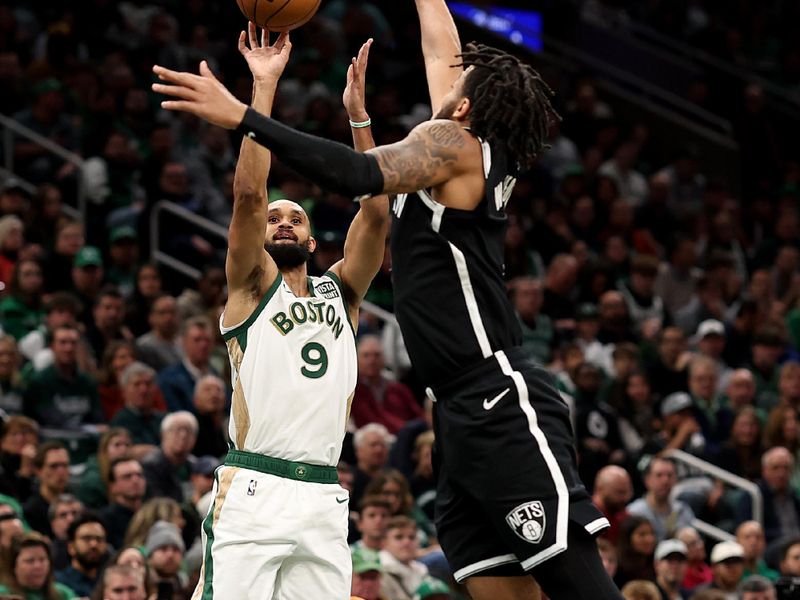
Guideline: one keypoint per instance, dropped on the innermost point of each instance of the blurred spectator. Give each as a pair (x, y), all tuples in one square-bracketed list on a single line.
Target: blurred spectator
[(727, 564), (29, 571), (394, 488), (378, 399), (621, 168), (117, 357), (559, 286), (177, 382), (139, 306), (636, 545), (61, 308), (209, 295), (52, 473), (680, 428), (114, 443), (666, 515), (613, 491), (670, 566), (639, 589), (122, 582), (20, 436), (669, 372), (209, 406), (21, 310), (768, 346), (756, 587), (366, 575), (58, 264), (422, 482), (139, 415), (402, 575), (739, 338), (710, 341), (87, 548), (373, 516), (615, 324), (123, 250), (155, 509), (63, 396), (750, 535), (789, 384), (167, 469), (401, 456), (202, 479), (677, 280), (637, 419), (741, 453), (165, 549), (706, 304), (43, 217), (538, 336), (10, 379), (741, 393), (698, 572), (126, 489), (63, 512), (608, 554), (781, 503), (644, 306), (10, 527), (160, 346), (790, 558), (372, 452), (714, 419), (87, 281), (107, 323)]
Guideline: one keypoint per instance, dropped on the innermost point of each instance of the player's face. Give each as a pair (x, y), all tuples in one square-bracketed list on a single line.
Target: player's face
[(288, 238)]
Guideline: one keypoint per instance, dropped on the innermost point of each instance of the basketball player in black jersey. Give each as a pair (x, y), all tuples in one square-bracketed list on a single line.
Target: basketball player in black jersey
[(509, 500)]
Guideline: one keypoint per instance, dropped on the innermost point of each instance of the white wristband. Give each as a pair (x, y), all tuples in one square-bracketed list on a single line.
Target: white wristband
[(361, 125)]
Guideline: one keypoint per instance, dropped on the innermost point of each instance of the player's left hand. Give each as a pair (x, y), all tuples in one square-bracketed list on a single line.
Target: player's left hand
[(354, 96), (266, 62), (202, 95)]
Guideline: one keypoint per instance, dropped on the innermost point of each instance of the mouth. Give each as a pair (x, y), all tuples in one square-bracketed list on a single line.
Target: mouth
[(284, 236)]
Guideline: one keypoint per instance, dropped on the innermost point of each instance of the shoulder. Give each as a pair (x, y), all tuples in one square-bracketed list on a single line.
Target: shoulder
[(65, 592)]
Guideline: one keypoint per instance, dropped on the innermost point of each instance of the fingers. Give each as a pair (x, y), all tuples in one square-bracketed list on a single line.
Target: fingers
[(264, 37), (177, 91), (205, 71), (251, 30), (242, 43), (186, 79), (180, 105)]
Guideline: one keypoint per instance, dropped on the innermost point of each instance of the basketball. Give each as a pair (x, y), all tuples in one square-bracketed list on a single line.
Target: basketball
[(279, 15)]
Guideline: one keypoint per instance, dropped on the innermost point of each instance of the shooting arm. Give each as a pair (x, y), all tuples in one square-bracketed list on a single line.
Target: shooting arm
[(430, 155), (440, 48)]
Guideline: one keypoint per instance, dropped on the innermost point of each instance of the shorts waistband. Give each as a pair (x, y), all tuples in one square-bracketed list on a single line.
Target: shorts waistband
[(298, 471), (474, 372)]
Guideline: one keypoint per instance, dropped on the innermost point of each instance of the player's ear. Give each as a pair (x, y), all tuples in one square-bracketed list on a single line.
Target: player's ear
[(463, 109), (312, 244)]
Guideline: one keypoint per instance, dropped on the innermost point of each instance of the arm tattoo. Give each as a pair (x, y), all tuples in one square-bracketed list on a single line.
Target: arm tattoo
[(419, 161)]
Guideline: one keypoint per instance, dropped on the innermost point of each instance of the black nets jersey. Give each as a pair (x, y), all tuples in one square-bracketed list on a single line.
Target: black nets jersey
[(447, 272)]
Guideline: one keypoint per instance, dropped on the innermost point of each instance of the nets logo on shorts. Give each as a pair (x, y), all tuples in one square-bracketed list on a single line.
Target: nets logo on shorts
[(528, 521), (326, 289)]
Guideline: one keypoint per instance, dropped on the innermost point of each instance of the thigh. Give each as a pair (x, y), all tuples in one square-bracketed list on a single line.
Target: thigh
[(503, 588), (577, 573), (328, 576)]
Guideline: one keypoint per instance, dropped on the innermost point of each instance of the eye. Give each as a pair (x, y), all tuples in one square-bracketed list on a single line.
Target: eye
[(296, 221), (272, 220)]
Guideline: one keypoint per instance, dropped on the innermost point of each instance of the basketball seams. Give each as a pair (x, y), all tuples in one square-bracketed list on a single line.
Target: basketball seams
[(266, 22), (305, 17), (275, 13)]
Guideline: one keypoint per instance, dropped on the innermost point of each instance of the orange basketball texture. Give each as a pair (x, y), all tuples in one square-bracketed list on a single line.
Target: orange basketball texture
[(279, 15)]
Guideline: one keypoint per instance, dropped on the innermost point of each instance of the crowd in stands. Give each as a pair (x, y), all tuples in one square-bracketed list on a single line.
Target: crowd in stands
[(666, 306)]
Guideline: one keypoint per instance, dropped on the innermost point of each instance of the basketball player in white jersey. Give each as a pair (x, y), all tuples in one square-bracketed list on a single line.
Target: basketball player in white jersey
[(278, 524)]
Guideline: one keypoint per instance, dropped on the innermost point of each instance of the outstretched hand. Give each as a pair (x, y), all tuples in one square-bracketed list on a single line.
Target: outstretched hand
[(354, 96), (202, 95), (266, 62)]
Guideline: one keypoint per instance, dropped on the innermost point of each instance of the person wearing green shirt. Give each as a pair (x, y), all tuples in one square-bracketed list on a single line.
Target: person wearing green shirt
[(28, 572), (62, 396), (22, 311), (750, 535)]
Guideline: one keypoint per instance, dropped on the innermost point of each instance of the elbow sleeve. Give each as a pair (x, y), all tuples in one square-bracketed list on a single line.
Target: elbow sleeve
[(331, 165)]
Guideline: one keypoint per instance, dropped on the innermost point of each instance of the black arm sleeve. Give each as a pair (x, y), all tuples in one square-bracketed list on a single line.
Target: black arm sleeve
[(331, 165)]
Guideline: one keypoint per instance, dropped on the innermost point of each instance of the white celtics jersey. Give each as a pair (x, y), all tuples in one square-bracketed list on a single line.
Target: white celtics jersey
[(294, 370)]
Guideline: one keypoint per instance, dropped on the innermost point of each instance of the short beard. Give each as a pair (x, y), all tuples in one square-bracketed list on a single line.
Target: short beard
[(289, 256), (87, 563)]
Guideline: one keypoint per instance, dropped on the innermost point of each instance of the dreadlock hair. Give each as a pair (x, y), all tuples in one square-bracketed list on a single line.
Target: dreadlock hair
[(510, 102)]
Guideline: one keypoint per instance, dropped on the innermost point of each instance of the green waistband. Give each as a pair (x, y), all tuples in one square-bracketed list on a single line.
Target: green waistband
[(282, 468)]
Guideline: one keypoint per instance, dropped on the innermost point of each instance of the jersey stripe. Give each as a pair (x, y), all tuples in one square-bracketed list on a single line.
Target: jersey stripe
[(472, 303), (239, 411)]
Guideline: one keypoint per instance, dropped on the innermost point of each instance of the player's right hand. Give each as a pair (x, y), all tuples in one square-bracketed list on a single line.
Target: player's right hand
[(266, 62)]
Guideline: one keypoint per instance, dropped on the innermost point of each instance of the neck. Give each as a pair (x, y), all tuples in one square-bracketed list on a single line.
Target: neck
[(48, 494), (750, 564), (373, 542), (598, 502), (296, 279), (369, 470), (67, 369), (668, 586), (133, 504), (655, 502), (163, 335)]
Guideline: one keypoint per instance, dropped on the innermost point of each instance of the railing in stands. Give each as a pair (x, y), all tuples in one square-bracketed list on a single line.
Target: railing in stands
[(727, 477), (158, 255), (11, 128)]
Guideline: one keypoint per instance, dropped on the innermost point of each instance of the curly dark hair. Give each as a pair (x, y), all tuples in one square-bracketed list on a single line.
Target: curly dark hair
[(510, 102)]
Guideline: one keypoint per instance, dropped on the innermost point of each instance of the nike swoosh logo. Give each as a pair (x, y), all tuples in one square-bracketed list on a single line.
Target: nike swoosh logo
[(342, 501), (489, 404)]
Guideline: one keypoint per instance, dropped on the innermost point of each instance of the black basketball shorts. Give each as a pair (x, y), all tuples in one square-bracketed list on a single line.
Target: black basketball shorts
[(504, 458)]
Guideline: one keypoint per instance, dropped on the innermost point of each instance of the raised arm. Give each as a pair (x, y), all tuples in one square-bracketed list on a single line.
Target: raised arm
[(433, 153), (366, 238), (440, 48), (248, 267)]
